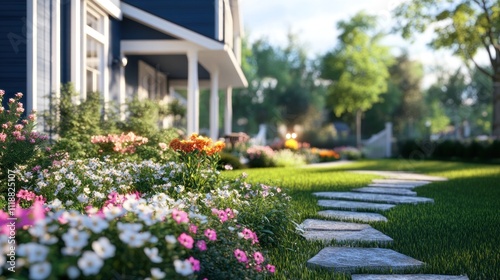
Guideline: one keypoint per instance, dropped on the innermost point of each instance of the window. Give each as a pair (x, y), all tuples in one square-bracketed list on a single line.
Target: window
[(152, 82), (95, 42)]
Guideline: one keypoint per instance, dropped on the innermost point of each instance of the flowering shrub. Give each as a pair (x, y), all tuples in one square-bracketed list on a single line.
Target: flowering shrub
[(121, 144), (199, 157), (347, 152), (325, 155), (260, 156), (134, 220), (291, 144), (19, 143)]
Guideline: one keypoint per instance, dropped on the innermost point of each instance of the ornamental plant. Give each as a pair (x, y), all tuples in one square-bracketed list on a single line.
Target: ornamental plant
[(19, 143), (133, 234), (114, 144), (199, 157), (260, 156)]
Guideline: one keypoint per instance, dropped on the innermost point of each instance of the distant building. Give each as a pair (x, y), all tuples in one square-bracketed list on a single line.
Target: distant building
[(146, 48)]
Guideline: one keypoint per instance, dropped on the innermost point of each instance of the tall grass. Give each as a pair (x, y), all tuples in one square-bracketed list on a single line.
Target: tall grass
[(458, 234)]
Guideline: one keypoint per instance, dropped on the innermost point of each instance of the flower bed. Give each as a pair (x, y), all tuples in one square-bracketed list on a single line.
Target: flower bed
[(119, 218)]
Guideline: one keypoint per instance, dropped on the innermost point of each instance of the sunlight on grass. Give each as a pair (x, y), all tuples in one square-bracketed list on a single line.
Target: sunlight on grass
[(457, 235)]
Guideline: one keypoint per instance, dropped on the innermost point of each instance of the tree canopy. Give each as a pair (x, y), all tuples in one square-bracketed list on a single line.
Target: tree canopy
[(463, 26)]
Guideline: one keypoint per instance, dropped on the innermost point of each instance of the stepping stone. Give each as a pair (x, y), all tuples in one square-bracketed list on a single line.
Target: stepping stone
[(354, 205), (341, 231), (322, 225), (407, 277), (349, 215), (400, 186), (394, 191), (401, 175), (366, 235), (350, 259), (388, 198), (401, 182)]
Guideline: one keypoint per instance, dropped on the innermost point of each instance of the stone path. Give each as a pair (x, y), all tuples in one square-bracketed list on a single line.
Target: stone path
[(381, 195)]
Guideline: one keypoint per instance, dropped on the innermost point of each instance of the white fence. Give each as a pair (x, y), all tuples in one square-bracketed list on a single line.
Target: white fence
[(380, 144)]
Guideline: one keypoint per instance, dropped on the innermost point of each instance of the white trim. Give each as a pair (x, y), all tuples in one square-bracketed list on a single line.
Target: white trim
[(110, 8), (214, 104), (152, 47), (56, 48), (193, 94), (219, 19), (168, 27), (228, 111), (122, 99), (105, 65), (76, 44), (31, 56)]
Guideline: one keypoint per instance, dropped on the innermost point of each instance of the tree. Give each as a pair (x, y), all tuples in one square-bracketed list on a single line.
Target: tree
[(465, 27), (357, 67), (402, 104), (282, 87)]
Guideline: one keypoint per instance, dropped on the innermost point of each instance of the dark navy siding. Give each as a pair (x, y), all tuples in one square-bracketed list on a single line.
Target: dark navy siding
[(197, 15), (65, 62), (114, 54), (132, 76), (132, 30), (13, 48)]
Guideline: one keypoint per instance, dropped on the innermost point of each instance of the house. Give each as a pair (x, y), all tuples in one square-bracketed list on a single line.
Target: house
[(144, 48)]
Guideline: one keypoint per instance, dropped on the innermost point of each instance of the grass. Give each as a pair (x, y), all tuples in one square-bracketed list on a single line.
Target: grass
[(458, 234)]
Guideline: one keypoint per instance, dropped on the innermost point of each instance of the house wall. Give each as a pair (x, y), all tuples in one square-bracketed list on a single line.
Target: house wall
[(44, 48), (197, 15), (13, 48)]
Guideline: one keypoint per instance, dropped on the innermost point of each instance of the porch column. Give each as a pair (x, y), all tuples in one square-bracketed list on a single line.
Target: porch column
[(228, 111), (193, 94), (214, 104)]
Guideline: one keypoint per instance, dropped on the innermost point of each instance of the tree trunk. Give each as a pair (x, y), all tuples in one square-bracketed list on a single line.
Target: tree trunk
[(358, 128), (496, 106)]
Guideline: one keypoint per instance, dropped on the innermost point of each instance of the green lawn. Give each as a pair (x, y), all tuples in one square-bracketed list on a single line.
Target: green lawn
[(458, 234)]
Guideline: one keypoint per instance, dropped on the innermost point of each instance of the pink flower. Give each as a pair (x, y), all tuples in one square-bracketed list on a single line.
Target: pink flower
[(194, 263), (222, 216), (3, 221), (229, 213), (211, 234), (257, 256), (180, 216), (163, 146), (247, 234), (201, 245), (18, 126), (271, 268), (240, 255), (11, 100), (193, 228), (20, 110), (2, 92), (19, 95), (26, 195), (3, 136), (258, 268), (31, 117), (28, 217), (186, 240)]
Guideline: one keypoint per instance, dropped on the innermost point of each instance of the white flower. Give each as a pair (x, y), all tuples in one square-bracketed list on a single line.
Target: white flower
[(33, 252), (40, 270), (90, 263), (73, 272), (129, 227), (112, 212), (103, 248), (48, 239), (69, 203), (184, 268), (82, 198), (152, 254), (96, 224), (170, 239), (55, 204), (76, 239), (133, 238), (70, 251), (157, 273)]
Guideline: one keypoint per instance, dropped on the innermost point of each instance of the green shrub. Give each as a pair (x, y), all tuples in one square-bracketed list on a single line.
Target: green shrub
[(230, 159), (288, 158)]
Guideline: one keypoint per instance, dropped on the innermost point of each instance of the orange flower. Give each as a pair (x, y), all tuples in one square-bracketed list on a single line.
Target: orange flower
[(197, 143)]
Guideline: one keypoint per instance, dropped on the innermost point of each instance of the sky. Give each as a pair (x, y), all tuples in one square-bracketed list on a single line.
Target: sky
[(314, 21)]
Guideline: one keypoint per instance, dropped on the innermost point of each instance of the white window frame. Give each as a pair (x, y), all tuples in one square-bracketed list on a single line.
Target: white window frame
[(101, 37)]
